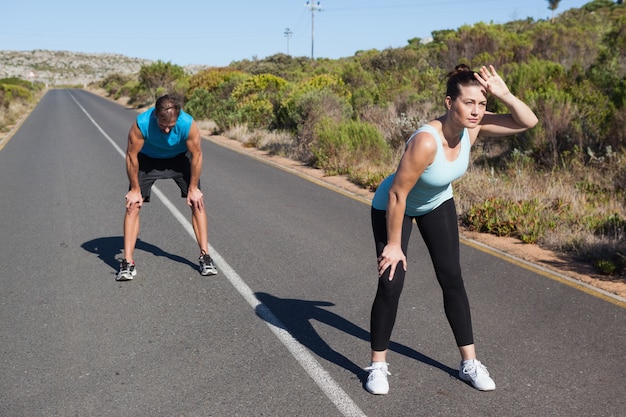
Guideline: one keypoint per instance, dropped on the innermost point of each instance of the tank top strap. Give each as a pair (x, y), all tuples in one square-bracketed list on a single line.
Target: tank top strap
[(429, 129)]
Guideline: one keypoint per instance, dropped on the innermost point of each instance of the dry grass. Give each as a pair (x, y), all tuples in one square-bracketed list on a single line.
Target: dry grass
[(396, 129), (208, 125), (10, 115), (16, 109), (275, 142), (582, 201)]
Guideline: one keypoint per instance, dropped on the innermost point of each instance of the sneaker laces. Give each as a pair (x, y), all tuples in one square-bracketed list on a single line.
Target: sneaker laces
[(471, 368), (377, 367)]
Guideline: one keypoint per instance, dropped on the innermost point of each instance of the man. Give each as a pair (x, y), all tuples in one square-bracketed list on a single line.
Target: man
[(164, 142)]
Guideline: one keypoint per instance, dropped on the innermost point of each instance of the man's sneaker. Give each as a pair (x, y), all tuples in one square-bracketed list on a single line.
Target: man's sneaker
[(475, 372), (127, 271), (207, 267), (377, 379)]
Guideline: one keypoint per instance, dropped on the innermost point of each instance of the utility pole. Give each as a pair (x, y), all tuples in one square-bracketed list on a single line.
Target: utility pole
[(288, 34), (313, 7)]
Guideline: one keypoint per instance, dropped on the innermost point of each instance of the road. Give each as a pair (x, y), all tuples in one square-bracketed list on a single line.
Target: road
[(283, 330)]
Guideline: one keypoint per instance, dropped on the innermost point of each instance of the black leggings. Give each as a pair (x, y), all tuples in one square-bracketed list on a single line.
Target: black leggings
[(440, 232)]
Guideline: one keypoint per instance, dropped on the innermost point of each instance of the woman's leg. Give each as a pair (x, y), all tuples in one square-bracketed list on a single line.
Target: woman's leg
[(440, 231), (385, 306)]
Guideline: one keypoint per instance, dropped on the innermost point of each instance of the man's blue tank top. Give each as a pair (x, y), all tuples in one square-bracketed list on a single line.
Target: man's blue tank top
[(434, 186), (163, 145)]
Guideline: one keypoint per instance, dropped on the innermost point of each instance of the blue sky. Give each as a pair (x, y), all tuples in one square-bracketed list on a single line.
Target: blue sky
[(215, 33)]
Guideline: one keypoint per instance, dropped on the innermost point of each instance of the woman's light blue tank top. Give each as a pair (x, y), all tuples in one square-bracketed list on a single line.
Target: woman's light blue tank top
[(163, 145), (434, 186)]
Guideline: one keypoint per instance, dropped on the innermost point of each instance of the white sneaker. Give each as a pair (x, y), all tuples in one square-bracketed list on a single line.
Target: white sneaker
[(127, 271), (475, 372), (377, 379), (207, 266)]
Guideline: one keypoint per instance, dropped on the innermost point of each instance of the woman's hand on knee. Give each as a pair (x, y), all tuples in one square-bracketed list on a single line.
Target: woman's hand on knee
[(389, 258)]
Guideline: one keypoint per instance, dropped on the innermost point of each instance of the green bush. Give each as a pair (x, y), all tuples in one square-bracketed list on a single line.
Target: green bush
[(140, 96), (256, 112), (211, 97), (302, 111), (118, 85), (11, 92), (312, 99), (205, 105), (199, 104), (163, 77), (20, 82), (527, 220), (258, 99), (341, 146), (214, 78)]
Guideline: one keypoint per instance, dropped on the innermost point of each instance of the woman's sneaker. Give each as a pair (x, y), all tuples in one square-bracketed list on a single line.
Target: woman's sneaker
[(127, 271), (207, 267), (475, 372), (377, 379)]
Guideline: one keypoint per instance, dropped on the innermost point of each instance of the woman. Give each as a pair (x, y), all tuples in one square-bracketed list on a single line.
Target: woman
[(435, 155)]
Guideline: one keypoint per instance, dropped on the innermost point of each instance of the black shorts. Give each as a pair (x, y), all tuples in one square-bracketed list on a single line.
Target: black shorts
[(177, 168)]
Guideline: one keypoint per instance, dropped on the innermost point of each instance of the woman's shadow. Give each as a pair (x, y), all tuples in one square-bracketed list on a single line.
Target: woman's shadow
[(108, 250), (296, 316)]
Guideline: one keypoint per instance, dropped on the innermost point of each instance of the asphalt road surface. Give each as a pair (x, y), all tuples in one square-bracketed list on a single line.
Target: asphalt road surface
[(283, 330)]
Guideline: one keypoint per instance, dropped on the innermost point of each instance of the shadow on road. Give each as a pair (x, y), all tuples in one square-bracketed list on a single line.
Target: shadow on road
[(295, 316), (109, 250)]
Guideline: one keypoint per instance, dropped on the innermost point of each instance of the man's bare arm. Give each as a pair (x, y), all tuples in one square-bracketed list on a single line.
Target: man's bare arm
[(135, 143)]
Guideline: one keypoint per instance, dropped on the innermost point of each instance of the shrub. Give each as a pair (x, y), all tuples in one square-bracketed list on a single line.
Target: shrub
[(301, 113), (163, 77), (199, 104), (212, 79), (256, 112), (258, 99), (11, 92), (118, 85), (214, 101), (296, 106), (139, 96), (527, 220), (341, 147)]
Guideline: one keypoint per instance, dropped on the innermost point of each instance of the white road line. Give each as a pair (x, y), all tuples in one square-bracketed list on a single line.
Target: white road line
[(322, 378)]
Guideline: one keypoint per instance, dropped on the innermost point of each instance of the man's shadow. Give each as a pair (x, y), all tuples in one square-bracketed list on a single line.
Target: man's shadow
[(109, 250), (296, 316)]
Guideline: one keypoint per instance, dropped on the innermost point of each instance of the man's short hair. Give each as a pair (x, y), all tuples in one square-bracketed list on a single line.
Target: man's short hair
[(167, 106)]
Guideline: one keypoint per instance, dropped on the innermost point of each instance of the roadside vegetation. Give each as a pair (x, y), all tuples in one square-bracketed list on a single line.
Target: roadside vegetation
[(561, 185), (17, 97)]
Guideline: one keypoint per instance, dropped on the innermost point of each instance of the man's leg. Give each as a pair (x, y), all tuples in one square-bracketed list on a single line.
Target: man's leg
[(131, 232), (200, 227)]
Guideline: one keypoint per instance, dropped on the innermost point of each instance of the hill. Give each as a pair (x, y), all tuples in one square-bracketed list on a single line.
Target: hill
[(69, 68)]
